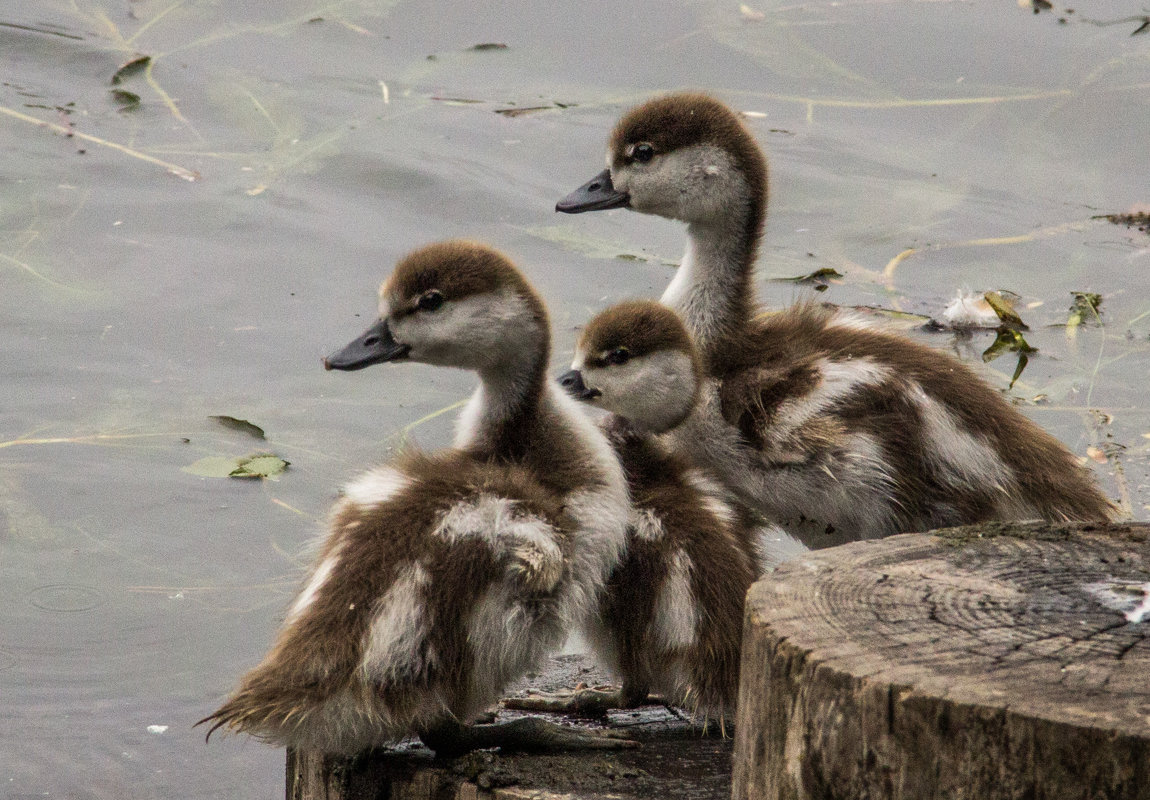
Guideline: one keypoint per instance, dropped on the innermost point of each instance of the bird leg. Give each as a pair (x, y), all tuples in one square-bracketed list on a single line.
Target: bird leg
[(449, 738)]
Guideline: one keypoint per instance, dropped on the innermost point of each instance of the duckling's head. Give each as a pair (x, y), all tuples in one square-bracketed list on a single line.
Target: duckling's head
[(637, 360), (455, 304), (685, 156)]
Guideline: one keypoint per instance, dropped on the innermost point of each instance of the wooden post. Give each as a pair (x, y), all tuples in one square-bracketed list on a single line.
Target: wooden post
[(993, 661)]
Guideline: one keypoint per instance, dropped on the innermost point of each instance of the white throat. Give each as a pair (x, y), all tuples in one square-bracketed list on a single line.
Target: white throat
[(708, 281), (500, 396)]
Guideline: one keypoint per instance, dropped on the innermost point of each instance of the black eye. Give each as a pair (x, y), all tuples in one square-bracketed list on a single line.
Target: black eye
[(620, 355), (643, 153), (430, 301)]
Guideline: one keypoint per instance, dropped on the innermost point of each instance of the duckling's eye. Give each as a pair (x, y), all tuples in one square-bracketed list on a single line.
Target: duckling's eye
[(620, 355), (430, 301), (643, 152)]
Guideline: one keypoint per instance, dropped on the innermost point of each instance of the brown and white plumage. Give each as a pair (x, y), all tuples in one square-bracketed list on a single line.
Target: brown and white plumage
[(816, 420), (673, 608), (443, 577)]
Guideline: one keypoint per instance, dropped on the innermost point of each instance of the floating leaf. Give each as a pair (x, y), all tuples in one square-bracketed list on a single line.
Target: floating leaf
[(1002, 304), (1010, 340), (488, 46), (130, 68), (518, 112), (820, 277), (213, 467), (259, 465), (129, 101), (1139, 219), (889, 318), (1084, 309), (264, 465), (241, 425)]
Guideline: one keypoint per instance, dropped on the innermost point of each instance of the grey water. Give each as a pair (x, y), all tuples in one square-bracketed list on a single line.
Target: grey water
[(192, 240)]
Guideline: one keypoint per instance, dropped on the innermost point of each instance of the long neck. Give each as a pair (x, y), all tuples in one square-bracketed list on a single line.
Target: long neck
[(713, 290), (528, 420), (506, 403)]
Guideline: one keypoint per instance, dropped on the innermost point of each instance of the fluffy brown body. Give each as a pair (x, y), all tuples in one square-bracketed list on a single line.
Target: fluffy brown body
[(317, 686), (674, 606), (443, 577), (780, 359), (818, 420)]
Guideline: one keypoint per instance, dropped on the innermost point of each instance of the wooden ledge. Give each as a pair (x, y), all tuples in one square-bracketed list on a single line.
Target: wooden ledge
[(676, 762)]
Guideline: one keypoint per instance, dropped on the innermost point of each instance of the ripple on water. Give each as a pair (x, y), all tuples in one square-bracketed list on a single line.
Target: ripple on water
[(65, 598)]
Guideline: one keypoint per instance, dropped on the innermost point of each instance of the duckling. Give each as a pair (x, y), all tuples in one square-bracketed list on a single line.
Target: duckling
[(444, 577), (673, 609), (812, 417)]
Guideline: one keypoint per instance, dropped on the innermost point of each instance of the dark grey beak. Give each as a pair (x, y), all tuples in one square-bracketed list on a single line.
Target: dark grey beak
[(374, 347), (597, 194), (572, 381)]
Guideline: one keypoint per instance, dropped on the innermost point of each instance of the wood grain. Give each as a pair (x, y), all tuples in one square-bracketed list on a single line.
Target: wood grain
[(992, 661)]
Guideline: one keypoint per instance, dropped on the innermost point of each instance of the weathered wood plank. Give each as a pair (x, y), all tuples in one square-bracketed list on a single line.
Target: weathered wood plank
[(1000, 661)]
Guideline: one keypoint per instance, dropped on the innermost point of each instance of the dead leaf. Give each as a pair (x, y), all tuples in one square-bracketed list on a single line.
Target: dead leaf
[(130, 68), (128, 101), (518, 112), (241, 425)]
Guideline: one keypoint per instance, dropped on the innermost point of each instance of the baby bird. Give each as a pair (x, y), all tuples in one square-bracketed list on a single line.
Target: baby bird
[(444, 577), (673, 609), (834, 428)]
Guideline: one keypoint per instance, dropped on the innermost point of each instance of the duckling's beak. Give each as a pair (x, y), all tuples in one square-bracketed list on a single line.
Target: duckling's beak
[(374, 347), (572, 381), (597, 194)]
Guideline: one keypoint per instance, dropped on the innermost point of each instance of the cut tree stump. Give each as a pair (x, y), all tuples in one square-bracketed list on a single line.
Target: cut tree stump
[(991, 661)]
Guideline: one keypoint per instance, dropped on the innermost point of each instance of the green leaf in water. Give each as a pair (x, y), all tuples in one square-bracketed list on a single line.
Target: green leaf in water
[(213, 466), (820, 277), (264, 465), (1084, 309), (1010, 340), (130, 68), (241, 425), (1003, 305), (259, 465)]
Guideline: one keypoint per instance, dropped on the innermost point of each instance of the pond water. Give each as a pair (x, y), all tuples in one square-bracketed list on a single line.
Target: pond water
[(326, 138)]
